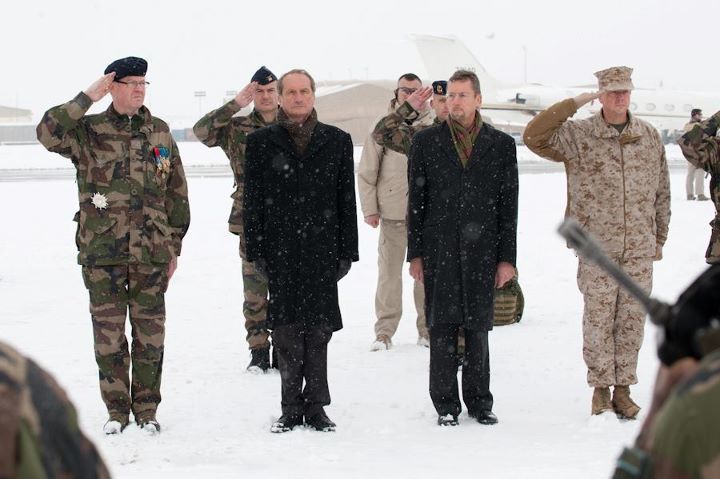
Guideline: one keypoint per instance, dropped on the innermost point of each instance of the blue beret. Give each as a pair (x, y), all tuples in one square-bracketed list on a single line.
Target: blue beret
[(439, 87), (127, 67), (263, 76)]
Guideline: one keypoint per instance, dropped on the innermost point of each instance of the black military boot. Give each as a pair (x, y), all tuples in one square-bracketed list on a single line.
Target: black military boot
[(260, 360)]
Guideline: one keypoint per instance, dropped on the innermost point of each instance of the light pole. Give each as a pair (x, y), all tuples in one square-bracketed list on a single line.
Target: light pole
[(199, 95)]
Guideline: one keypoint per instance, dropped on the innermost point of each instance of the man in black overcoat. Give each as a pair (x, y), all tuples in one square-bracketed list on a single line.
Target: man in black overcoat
[(462, 235), (301, 231)]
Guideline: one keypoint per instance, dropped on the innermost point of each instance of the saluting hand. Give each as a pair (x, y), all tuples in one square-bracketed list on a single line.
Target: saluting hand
[(418, 99), (246, 95), (584, 98), (100, 87)]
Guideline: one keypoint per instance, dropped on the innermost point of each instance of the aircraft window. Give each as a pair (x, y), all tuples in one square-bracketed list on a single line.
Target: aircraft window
[(687, 107), (669, 107), (633, 106), (650, 106)]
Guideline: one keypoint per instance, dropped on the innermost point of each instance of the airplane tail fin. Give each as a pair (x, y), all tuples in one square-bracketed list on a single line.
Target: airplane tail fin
[(443, 55)]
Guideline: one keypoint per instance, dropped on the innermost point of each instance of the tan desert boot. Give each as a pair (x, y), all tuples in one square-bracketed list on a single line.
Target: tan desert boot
[(601, 401), (622, 403)]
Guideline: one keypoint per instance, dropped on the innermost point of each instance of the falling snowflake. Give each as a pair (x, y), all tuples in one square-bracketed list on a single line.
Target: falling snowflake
[(99, 200)]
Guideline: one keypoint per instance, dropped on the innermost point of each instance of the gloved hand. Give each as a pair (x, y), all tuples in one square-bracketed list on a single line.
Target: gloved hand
[(261, 267), (343, 268)]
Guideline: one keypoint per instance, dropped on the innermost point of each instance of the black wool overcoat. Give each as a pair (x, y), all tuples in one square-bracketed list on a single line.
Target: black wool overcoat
[(462, 221), (300, 217)]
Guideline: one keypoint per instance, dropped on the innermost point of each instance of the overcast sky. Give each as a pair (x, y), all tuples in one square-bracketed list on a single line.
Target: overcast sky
[(51, 50)]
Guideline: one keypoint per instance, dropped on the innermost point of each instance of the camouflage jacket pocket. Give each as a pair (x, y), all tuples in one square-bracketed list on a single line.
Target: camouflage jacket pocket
[(104, 167), (97, 240), (161, 241)]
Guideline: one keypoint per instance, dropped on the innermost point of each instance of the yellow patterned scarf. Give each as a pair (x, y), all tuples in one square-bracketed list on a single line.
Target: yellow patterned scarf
[(464, 138)]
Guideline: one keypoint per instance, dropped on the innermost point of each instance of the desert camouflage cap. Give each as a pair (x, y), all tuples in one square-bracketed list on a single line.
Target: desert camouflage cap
[(439, 87), (614, 79)]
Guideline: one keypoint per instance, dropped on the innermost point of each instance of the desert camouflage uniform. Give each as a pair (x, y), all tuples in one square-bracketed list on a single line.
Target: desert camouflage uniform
[(133, 215), (702, 148), (219, 128), (39, 432), (383, 190), (619, 191)]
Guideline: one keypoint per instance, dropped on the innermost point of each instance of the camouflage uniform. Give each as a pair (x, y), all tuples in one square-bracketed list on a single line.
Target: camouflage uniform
[(133, 215), (396, 130), (701, 148), (219, 128), (695, 179), (383, 189), (619, 191), (685, 438), (39, 431)]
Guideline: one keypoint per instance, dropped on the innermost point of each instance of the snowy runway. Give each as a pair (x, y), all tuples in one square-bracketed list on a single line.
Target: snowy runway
[(216, 417)]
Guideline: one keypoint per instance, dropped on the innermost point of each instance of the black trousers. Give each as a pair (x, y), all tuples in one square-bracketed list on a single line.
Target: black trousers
[(302, 354), (475, 371)]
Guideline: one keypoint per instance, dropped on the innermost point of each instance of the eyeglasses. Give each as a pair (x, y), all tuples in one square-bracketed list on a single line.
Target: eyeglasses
[(461, 96), (133, 83), (406, 90)]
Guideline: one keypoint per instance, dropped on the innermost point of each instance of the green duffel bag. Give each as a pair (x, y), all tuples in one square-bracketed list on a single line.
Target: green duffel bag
[(509, 303)]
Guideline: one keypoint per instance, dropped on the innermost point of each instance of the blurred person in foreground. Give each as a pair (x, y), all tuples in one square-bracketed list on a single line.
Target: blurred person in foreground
[(39, 431), (680, 437)]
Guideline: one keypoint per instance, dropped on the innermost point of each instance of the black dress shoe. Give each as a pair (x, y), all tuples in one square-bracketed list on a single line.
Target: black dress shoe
[(320, 422), (447, 420), (286, 423), (485, 416)]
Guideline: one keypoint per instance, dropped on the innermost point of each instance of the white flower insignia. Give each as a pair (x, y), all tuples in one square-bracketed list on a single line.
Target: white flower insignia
[(99, 200)]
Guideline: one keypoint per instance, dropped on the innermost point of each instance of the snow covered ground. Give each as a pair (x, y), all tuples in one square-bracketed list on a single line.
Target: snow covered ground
[(216, 417)]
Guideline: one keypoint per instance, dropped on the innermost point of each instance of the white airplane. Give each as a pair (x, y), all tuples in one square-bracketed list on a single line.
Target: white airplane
[(510, 106)]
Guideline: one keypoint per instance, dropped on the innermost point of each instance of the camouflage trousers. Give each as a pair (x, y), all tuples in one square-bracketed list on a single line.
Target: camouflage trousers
[(255, 291), (613, 321), (115, 290), (392, 246)]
